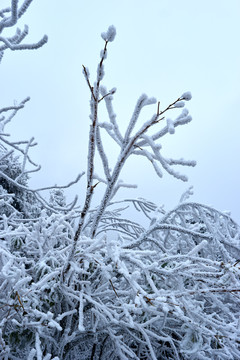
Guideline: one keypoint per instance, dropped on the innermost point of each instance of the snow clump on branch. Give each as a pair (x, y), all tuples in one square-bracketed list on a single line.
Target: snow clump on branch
[(110, 34), (186, 96)]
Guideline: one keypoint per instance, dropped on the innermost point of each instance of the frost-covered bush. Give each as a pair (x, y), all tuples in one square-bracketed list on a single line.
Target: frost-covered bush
[(168, 292), (89, 283)]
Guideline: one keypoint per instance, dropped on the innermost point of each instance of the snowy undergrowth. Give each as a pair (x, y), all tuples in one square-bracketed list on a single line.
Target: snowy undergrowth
[(171, 292)]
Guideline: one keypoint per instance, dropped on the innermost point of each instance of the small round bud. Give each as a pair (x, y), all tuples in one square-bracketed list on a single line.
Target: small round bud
[(110, 34), (186, 96)]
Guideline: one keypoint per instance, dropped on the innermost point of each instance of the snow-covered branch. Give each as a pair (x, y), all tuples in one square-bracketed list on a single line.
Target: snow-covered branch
[(9, 18)]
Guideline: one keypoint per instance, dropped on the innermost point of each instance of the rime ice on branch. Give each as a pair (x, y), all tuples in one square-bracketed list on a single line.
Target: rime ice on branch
[(136, 142), (9, 18), (23, 148)]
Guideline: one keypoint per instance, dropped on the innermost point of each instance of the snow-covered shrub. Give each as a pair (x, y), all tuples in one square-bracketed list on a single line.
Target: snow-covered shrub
[(168, 292), (90, 283)]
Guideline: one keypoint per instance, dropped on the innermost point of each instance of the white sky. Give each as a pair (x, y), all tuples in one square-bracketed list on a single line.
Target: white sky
[(162, 48)]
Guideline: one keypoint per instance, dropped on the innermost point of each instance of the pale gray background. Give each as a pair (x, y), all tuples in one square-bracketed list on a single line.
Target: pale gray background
[(162, 48)]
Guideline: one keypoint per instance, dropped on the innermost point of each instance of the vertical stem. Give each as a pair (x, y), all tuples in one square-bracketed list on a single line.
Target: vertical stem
[(90, 188), (91, 154)]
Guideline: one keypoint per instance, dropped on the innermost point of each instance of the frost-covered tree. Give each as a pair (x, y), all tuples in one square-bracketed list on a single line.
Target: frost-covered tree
[(21, 202), (89, 283)]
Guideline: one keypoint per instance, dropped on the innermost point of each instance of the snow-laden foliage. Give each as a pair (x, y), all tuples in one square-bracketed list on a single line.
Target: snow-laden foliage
[(168, 292), (89, 283)]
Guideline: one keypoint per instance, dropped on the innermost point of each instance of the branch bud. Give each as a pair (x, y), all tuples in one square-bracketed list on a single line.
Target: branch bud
[(110, 34), (186, 96)]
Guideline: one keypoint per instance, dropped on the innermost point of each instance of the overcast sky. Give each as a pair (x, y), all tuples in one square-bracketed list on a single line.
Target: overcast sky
[(162, 48)]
